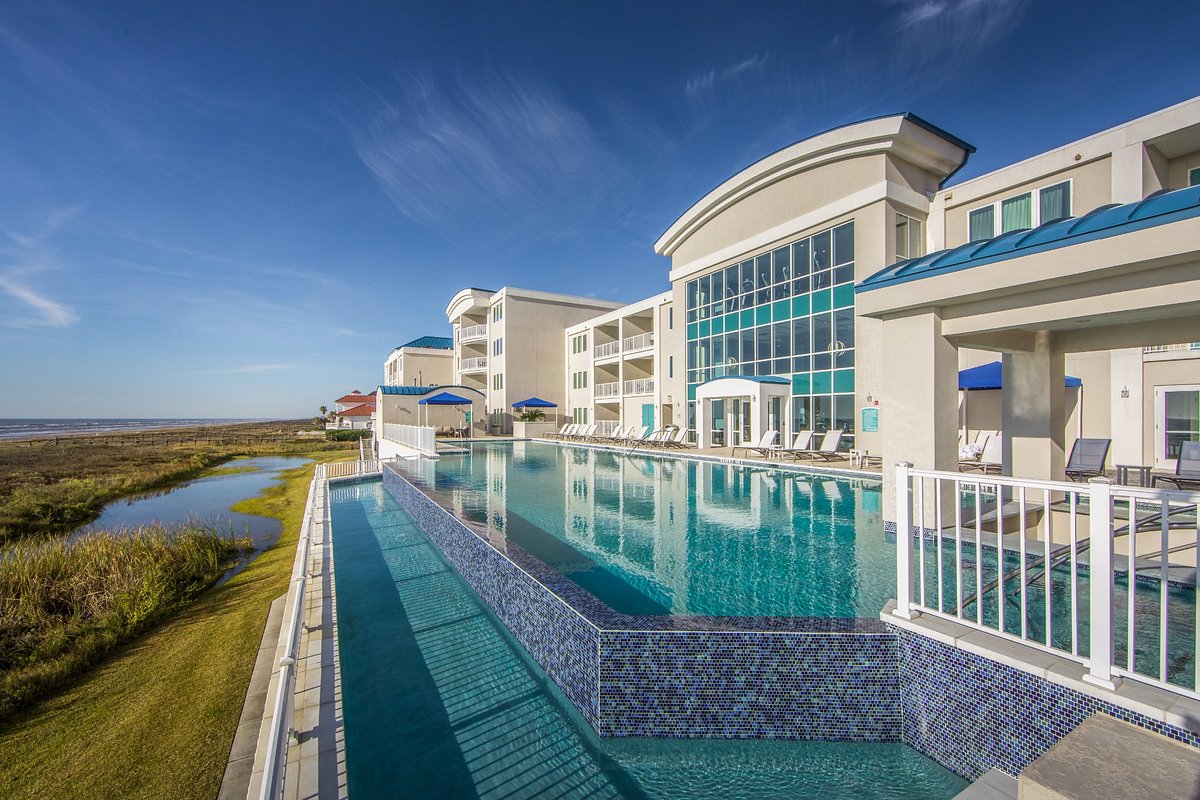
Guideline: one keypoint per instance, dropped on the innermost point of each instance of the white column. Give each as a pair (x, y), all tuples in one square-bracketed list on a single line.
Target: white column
[(1034, 411), (918, 410), (1100, 584)]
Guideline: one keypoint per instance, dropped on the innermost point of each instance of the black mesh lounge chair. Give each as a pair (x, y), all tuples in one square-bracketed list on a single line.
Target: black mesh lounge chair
[(1187, 468), (1087, 458)]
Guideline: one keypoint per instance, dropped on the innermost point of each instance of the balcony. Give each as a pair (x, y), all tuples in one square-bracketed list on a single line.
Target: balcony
[(472, 364), (640, 386), (639, 342), (608, 349), (1170, 348), (472, 332), (604, 390)]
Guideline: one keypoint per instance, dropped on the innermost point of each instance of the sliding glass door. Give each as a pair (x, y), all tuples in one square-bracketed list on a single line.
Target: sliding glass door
[(1176, 420)]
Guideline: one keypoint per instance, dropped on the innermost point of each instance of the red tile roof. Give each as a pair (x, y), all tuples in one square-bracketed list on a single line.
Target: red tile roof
[(355, 397), (364, 410)]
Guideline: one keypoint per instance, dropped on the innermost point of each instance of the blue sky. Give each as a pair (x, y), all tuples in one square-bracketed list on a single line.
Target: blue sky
[(237, 209)]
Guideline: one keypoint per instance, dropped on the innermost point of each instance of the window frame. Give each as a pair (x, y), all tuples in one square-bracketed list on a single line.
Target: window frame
[(1194, 177), (1035, 212)]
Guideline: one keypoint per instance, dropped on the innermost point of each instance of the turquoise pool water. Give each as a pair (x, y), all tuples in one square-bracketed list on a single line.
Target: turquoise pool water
[(673, 536), (440, 702)]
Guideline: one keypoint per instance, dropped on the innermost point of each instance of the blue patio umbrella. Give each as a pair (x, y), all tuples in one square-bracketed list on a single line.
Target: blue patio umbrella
[(442, 399), (990, 376), (537, 402)]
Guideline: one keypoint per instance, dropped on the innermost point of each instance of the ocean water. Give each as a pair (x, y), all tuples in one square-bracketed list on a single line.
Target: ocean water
[(41, 428)]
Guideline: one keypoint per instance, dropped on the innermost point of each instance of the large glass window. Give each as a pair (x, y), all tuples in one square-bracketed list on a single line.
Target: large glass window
[(909, 241), (1194, 176), (788, 312), (1022, 211), (983, 223), (1055, 202)]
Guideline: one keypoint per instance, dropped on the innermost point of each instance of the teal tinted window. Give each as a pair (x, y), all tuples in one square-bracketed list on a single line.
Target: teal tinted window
[(843, 295), (704, 328), (762, 315), (747, 318), (822, 382), (693, 330), (843, 244), (800, 306), (822, 301), (718, 325), (843, 381), (731, 322), (783, 310), (801, 383)]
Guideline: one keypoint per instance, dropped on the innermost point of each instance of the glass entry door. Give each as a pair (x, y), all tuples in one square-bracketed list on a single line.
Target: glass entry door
[(1176, 420), (739, 422), (745, 423)]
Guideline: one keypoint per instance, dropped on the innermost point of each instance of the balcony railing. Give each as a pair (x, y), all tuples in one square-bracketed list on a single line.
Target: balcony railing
[(987, 551), (472, 332), (608, 390), (639, 342), (608, 349), (472, 364), (1168, 348), (640, 386)]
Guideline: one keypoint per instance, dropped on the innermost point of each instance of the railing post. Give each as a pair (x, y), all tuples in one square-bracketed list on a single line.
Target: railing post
[(1100, 584), (903, 542)]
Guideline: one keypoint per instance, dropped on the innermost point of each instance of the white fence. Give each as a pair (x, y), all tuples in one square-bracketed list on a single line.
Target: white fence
[(607, 390), (608, 349), (281, 705), (468, 364), (1098, 573), (471, 332), (418, 437), (350, 469), (638, 342), (640, 386)]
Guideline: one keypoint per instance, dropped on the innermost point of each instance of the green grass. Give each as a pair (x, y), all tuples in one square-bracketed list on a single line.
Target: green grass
[(63, 606), (157, 718)]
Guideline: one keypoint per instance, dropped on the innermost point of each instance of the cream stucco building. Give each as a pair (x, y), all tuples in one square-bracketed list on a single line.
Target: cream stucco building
[(509, 344), (427, 361)]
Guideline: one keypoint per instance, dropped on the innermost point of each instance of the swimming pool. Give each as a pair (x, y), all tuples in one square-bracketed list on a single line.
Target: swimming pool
[(680, 537), (440, 701)]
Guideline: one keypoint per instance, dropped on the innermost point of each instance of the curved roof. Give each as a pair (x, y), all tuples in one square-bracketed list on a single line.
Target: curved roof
[(420, 390), (844, 141), (1159, 208), (431, 342)]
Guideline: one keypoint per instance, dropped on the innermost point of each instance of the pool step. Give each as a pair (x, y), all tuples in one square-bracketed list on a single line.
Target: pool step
[(1105, 757), (992, 785)]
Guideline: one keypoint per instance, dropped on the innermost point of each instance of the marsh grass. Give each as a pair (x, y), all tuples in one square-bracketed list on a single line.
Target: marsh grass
[(65, 604), (48, 488)]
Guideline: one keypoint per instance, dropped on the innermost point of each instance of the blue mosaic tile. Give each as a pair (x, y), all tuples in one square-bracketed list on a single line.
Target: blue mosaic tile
[(971, 714)]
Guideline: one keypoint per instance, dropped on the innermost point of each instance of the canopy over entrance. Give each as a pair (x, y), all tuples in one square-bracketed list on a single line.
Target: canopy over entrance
[(1121, 276), (535, 402), (739, 409)]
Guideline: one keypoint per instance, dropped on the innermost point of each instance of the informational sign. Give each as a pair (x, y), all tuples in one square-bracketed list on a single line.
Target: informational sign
[(468, 413), (870, 420)]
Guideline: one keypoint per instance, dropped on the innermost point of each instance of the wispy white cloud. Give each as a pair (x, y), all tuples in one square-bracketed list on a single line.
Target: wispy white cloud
[(31, 253), (501, 151), (45, 312), (950, 33), (707, 81)]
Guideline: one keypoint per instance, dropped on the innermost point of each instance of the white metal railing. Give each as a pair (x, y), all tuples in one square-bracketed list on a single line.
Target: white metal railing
[(418, 437), (639, 386), (638, 342), (350, 469), (607, 389), (467, 364), (608, 349), (472, 332), (1098, 573), (281, 709)]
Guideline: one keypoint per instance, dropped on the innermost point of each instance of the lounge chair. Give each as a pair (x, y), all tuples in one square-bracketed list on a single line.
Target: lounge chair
[(1087, 458), (561, 431), (614, 436), (567, 432), (643, 438), (801, 444), (588, 432), (764, 444), (991, 458), (635, 434), (828, 451), (1187, 468), (679, 440)]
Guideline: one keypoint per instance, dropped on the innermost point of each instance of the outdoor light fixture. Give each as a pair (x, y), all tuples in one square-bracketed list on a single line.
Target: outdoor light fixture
[(1124, 391)]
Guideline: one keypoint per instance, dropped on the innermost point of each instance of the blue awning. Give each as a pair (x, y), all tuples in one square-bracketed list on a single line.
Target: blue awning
[(444, 399), (987, 376), (535, 402)]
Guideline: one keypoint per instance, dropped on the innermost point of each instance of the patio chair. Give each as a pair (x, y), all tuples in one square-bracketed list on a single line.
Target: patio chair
[(801, 444), (588, 432), (1087, 458), (645, 437), (635, 434), (679, 440), (991, 458), (828, 451), (559, 433), (614, 436), (763, 447), (1187, 468)]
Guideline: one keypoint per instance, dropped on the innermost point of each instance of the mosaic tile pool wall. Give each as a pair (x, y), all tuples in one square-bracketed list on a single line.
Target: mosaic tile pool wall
[(732, 677), (971, 714)]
